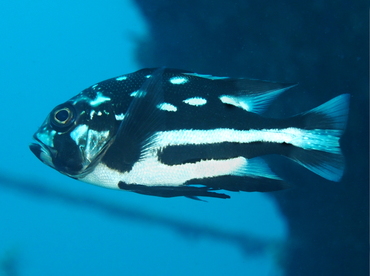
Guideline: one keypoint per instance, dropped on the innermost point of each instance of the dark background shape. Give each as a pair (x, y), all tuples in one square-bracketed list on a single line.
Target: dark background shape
[(323, 45)]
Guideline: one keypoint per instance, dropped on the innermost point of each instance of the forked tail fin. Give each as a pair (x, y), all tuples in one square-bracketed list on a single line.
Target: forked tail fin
[(317, 146)]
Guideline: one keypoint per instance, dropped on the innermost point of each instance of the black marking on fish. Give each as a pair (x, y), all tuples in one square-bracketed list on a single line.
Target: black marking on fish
[(176, 155), (237, 184), (170, 191)]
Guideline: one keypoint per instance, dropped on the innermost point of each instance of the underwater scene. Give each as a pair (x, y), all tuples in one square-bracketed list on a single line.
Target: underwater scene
[(184, 138)]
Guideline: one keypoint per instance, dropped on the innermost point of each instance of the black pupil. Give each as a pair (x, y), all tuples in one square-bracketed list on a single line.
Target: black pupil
[(62, 115)]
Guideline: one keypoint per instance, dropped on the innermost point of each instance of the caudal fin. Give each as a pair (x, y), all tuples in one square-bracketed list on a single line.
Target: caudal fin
[(317, 146)]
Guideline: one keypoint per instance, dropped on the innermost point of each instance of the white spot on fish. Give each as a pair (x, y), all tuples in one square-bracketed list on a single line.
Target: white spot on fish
[(121, 78), (134, 94), (100, 98), (235, 101), (167, 107), (79, 134), (196, 101), (119, 117), (206, 76), (80, 97), (148, 76), (94, 86), (99, 113), (178, 80), (256, 103), (138, 94), (92, 112)]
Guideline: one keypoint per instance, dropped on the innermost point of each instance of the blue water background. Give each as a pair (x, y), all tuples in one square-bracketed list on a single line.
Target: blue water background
[(51, 50)]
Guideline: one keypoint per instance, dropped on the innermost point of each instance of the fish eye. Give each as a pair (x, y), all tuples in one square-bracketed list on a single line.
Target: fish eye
[(62, 117)]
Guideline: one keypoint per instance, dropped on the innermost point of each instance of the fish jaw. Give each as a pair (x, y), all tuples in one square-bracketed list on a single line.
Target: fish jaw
[(43, 153)]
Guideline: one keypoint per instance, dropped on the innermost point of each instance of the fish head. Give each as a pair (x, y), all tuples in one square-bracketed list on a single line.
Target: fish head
[(75, 135)]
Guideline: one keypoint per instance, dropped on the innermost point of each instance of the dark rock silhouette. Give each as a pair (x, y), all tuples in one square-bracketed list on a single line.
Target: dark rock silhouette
[(324, 47)]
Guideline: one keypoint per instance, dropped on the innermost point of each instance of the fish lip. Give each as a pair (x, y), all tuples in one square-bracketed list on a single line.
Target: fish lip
[(35, 148), (40, 150)]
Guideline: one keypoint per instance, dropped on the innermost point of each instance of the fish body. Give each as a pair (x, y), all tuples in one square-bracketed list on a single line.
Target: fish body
[(169, 132)]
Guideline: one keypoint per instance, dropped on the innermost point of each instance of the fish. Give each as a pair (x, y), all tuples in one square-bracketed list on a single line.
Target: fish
[(170, 132)]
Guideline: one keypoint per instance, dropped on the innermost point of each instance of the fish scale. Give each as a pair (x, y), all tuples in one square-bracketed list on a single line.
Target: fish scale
[(169, 132)]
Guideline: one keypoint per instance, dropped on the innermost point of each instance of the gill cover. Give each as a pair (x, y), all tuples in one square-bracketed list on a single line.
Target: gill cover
[(74, 136)]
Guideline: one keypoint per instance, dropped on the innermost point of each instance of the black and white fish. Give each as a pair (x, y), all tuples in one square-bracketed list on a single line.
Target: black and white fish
[(168, 132)]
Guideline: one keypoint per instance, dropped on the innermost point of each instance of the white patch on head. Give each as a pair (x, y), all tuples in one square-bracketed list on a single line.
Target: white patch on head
[(206, 76), (92, 112), (79, 134), (96, 140), (100, 98), (90, 141), (94, 86), (121, 78), (178, 80), (196, 101), (167, 107), (148, 76), (119, 117), (47, 137), (138, 94), (81, 97)]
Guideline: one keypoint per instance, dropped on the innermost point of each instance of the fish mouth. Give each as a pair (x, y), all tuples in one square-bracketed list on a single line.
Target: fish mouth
[(49, 156), (42, 152)]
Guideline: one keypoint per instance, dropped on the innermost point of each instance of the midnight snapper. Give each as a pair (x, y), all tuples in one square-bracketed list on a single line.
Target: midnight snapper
[(169, 132)]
